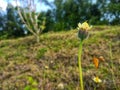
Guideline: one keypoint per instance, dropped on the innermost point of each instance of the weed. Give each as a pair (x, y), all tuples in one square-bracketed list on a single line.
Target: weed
[(41, 52), (32, 84)]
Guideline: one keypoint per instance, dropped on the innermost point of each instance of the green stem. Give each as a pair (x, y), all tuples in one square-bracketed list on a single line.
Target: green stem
[(112, 65), (94, 88), (80, 65)]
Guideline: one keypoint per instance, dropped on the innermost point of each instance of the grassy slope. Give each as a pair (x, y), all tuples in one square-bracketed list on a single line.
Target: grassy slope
[(53, 62)]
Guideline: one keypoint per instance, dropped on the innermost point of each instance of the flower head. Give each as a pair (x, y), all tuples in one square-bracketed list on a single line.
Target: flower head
[(83, 30), (84, 26), (97, 80)]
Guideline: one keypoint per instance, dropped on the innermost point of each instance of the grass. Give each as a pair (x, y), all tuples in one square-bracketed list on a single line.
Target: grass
[(53, 62)]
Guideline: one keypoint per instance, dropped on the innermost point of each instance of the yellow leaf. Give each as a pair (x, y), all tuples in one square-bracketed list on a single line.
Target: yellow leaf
[(96, 62)]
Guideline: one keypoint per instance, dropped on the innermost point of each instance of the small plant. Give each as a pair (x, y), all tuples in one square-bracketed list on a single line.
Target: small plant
[(82, 34), (30, 17), (41, 52), (32, 84)]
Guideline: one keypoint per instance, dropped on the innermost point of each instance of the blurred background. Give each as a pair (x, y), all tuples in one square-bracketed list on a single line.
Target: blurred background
[(60, 15)]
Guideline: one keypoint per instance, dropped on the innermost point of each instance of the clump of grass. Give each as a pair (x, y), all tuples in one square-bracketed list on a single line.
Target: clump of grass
[(41, 53), (112, 66), (32, 84)]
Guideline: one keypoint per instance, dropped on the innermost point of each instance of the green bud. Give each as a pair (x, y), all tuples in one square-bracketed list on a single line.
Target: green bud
[(83, 34)]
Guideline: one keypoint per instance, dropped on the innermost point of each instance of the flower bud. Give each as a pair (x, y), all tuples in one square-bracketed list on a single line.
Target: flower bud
[(83, 34)]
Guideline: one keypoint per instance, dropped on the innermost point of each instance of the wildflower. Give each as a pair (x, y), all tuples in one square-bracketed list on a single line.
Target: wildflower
[(84, 26), (83, 30), (97, 80), (96, 62), (82, 34)]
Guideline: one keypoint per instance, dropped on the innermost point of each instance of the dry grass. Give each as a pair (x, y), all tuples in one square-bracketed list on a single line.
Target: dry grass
[(53, 62)]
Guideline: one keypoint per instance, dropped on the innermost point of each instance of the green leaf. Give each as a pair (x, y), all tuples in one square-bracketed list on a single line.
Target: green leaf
[(34, 89), (30, 79), (34, 83), (27, 87)]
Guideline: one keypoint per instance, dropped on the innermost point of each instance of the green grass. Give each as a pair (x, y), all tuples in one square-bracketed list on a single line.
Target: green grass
[(54, 60)]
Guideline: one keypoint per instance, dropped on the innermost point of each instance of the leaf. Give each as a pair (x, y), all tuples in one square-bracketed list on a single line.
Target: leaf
[(30, 79), (27, 87), (96, 62), (34, 83), (34, 89), (101, 58)]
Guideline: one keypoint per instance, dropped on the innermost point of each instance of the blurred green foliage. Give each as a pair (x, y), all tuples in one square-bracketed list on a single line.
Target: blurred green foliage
[(63, 15)]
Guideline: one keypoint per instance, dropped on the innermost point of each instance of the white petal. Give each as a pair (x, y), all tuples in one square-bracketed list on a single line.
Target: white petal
[(79, 24)]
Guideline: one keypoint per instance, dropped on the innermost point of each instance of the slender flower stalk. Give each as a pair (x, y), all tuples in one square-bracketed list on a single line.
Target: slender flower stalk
[(80, 65), (82, 34)]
